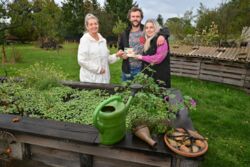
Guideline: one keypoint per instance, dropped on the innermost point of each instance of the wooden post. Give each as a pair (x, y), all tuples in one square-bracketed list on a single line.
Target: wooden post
[(183, 162), (18, 150), (86, 160), (4, 58)]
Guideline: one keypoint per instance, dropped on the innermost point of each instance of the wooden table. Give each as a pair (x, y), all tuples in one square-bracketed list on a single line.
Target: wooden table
[(74, 145)]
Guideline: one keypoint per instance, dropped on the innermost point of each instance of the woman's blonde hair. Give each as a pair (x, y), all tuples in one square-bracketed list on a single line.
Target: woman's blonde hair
[(88, 17), (148, 39)]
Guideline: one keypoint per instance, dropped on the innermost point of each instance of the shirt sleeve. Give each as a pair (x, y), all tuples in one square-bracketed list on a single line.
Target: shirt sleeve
[(83, 58), (112, 58), (159, 56)]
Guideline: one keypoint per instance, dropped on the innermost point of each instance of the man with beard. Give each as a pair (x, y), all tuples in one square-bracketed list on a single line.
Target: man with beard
[(133, 37)]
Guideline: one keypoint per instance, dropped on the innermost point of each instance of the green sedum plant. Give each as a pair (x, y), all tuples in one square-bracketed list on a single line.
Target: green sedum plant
[(41, 95), (42, 76)]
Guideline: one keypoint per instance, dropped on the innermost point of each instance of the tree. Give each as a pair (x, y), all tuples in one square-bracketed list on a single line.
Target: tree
[(237, 13), (230, 17), (3, 19), (119, 28), (47, 29), (205, 17), (119, 8), (26, 30), (73, 13), (7, 8), (160, 19), (180, 27), (3, 24), (106, 24)]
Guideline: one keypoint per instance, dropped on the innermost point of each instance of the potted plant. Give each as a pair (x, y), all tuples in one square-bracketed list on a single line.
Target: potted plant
[(149, 108)]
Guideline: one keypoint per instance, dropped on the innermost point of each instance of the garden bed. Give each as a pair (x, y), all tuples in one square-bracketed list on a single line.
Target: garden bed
[(70, 144)]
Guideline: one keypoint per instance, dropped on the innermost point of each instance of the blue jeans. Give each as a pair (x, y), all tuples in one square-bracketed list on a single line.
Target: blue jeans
[(133, 73)]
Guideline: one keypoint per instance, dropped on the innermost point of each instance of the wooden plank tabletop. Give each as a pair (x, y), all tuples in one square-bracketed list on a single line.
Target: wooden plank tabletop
[(48, 128), (74, 132), (88, 134)]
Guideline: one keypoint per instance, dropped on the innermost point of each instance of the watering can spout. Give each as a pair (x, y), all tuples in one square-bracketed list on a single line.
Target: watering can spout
[(128, 102), (134, 89)]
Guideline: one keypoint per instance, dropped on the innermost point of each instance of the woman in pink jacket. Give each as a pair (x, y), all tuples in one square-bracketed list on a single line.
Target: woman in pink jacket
[(157, 57)]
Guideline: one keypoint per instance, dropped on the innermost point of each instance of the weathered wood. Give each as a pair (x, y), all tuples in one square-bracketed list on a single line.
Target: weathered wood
[(234, 77), (18, 150), (210, 72), (185, 71), (90, 86), (237, 77), (86, 160), (21, 163), (55, 157), (233, 82), (55, 142), (185, 67), (184, 75), (247, 78), (104, 162), (224, 68), (183, 162), (82, 133), (211, 78), (102, 151), (185, 62), (187, 59)]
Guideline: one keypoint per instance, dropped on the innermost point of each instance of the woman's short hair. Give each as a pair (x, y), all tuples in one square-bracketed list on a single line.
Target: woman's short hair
[(88, 17), (134, 9)]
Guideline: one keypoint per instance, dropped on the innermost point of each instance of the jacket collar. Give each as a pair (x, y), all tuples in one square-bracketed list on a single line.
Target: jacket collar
[(101, 39)]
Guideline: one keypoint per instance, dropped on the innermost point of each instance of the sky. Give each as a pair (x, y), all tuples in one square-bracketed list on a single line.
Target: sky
[(170, 8)]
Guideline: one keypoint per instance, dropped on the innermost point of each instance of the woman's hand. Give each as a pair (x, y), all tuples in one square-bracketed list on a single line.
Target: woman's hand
[(119, 53), (138, 57), (160, 40), (102, 71)]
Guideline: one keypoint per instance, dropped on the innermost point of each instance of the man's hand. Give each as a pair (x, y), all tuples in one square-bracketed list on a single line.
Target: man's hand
[(160, 40)]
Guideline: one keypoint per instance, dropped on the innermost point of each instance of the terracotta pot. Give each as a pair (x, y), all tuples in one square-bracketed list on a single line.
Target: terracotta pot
[(143, 133)]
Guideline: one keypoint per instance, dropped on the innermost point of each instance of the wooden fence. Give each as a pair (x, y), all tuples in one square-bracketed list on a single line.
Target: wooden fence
[(212, 68)]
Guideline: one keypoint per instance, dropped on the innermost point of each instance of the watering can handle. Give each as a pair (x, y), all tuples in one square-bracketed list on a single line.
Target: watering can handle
[(99, 107)]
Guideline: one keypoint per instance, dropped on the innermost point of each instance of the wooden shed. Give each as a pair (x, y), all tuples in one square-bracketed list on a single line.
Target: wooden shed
[(224, 65)]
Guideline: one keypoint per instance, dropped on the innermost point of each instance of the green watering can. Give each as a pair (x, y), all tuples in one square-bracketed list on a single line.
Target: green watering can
[(110, 117)]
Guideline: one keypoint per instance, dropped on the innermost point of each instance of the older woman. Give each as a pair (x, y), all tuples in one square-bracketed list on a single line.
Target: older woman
[(93, 54), (157, 57)]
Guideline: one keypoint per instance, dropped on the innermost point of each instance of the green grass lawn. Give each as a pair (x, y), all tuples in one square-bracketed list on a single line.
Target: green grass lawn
[(223, 112)]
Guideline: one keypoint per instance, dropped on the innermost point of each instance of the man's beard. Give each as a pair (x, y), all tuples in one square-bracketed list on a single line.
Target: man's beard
[(135, 25)]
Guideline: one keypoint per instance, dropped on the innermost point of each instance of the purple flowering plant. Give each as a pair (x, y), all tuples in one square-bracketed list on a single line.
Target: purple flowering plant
[(190, 103)]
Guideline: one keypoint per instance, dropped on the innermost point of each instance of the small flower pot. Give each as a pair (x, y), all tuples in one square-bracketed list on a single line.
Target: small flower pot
[(143, 133)]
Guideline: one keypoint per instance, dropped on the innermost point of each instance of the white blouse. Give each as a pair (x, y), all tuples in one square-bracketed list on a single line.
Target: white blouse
[(92, 56)]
